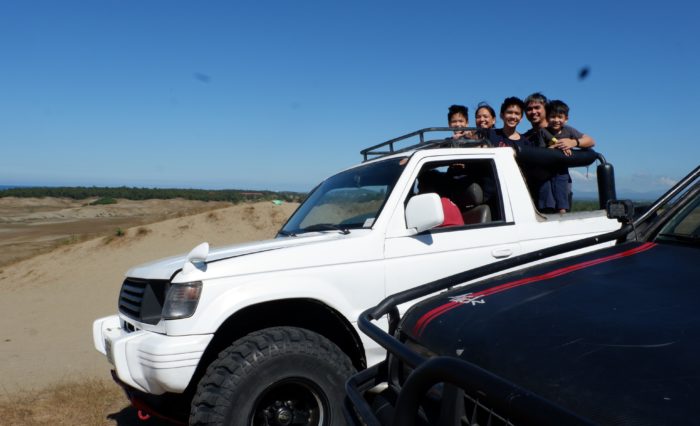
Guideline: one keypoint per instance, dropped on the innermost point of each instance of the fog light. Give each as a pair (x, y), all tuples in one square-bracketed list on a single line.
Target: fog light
[(182, 300)]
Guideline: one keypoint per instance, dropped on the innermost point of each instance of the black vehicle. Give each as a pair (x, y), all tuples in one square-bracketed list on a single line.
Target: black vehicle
[(607, 337)]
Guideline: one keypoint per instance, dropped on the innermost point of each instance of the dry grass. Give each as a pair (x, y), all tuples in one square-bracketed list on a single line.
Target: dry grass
[(89, 402), (252, 216), (142, 231), (119, 235)]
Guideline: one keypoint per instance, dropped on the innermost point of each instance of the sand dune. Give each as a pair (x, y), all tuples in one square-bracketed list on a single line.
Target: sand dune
[(50, 300), (29, 226)]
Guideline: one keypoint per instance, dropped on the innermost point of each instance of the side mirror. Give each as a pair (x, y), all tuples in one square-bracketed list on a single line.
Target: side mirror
[(622, 210), (423, 212)]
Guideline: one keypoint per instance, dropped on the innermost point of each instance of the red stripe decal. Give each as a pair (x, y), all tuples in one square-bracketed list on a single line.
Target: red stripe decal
[(429, 316)]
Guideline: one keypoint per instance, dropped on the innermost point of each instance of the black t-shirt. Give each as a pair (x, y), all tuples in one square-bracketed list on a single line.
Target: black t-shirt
[(538, 137), (498, 138)]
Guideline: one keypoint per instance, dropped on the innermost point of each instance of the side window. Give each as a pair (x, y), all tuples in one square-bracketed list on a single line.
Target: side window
[(468, 190)]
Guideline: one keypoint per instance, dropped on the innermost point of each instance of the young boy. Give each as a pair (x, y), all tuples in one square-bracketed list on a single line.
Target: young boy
[(561, 136), (458, 116)]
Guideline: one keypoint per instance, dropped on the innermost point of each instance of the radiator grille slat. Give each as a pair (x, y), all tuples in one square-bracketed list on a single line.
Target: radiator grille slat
[(477, 413), (142, 300), (131, 298), (130, 306), (132, 289)]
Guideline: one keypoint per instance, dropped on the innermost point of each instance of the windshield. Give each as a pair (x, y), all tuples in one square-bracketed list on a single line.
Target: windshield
[(684, 228), (349, 200)]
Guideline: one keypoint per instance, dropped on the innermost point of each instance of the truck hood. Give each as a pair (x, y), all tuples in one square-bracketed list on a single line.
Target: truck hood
[(166, 268), (614, 332)]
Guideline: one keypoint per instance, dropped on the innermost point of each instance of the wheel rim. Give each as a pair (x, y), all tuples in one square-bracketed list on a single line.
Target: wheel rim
[(293, 401)]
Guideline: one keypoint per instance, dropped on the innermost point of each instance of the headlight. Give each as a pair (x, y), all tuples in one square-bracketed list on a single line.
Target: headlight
[(182, 300)]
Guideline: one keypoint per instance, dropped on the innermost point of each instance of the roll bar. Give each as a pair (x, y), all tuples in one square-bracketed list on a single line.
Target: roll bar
[(392, 146)]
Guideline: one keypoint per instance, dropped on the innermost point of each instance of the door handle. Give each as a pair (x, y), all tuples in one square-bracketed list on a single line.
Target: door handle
[(501, 253)]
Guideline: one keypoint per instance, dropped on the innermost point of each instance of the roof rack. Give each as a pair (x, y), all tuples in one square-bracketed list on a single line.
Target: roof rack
[(389, 147)]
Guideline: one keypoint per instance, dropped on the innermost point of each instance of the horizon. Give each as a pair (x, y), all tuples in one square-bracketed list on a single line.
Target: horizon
[(580, 195)]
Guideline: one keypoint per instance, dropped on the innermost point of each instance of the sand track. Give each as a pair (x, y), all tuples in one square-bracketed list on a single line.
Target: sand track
[(50, 300)]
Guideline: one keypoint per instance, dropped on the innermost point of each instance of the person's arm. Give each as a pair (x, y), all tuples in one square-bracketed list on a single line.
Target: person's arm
[(577, 140), (584, 141)]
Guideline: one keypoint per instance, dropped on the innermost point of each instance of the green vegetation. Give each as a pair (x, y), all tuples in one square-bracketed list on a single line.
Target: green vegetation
[(584, 205), (106, 194), (103, 200)]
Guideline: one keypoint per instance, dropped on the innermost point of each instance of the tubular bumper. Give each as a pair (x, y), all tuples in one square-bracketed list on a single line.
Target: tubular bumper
[(356, 409)]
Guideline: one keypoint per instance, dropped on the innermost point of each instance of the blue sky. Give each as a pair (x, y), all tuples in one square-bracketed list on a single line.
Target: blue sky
[(280, 94)]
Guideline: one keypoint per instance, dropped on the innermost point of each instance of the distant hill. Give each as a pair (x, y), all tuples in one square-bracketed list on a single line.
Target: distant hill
[(81, 193), (640, 196), (622, 195)]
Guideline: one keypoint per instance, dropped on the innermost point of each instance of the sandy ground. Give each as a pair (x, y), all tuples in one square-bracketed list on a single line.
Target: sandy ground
[(29, 226), (50, 300)]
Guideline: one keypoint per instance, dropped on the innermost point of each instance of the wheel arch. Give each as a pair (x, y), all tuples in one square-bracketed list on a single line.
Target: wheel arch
[(304, 313)]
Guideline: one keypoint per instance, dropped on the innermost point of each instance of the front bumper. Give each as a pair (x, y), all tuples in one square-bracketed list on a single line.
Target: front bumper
[(149, 362)]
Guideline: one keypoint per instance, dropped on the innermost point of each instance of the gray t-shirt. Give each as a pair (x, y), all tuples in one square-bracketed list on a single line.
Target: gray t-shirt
[(568, 132), (541, 137)]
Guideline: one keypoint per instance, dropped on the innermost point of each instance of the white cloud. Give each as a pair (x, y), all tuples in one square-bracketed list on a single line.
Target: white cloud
[(667, 181), (584, 180), (645, 182), (582, 175)]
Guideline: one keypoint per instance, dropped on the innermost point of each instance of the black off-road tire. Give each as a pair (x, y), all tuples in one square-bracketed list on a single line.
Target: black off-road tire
[(275, 371)]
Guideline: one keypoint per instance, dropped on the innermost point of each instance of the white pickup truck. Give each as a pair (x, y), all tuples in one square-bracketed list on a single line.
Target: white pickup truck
[(265, 333)]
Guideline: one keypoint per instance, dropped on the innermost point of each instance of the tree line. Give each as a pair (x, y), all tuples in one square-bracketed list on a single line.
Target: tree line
[(132, 193)]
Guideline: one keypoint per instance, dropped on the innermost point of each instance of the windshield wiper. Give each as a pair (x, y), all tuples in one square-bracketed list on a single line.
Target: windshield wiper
[(325, 227), (287, 233)]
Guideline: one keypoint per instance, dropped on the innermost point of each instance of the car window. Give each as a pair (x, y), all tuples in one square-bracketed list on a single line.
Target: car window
[(684, 227), (351, 199), (470, 185)]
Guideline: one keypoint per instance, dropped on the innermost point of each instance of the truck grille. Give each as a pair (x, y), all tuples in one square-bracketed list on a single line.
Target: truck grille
[(142, 300)]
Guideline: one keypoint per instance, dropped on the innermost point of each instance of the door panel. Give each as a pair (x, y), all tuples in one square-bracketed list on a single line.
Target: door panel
[(419, 259)]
